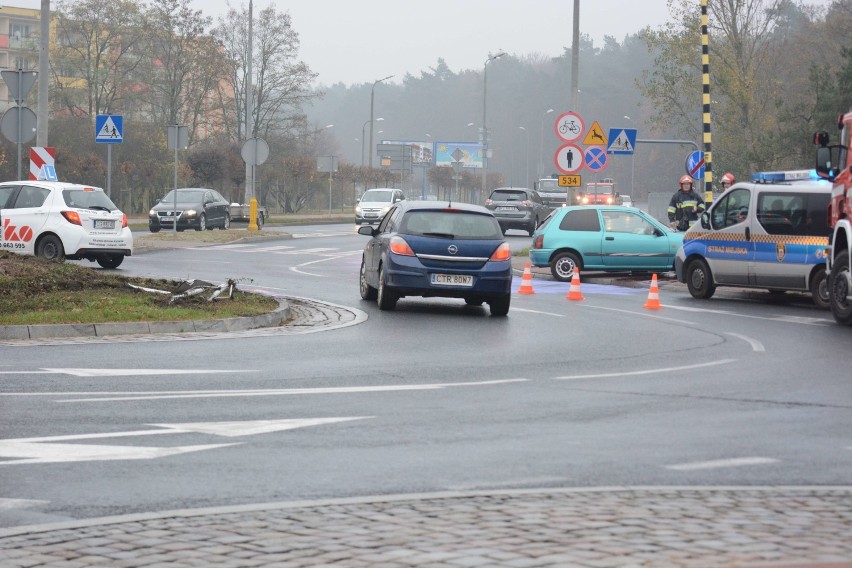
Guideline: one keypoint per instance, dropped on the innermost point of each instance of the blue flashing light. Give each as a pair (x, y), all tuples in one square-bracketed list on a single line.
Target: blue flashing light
[(792, 175)]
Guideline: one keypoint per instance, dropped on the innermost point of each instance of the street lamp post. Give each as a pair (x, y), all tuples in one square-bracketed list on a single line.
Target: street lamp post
[(632, 165), (372, 99), (362, 138), (484, 123), (527, 153), (541, 142)]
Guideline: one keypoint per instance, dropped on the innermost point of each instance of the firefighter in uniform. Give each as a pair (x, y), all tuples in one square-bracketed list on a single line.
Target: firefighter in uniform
[(685, 206), (726, 181)]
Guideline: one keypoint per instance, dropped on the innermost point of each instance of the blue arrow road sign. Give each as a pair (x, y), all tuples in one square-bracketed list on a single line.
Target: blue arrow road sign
[(695, 164), (109, 128), (596, 159)]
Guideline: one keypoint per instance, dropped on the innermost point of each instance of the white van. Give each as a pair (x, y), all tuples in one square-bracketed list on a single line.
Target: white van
[(770, 233)]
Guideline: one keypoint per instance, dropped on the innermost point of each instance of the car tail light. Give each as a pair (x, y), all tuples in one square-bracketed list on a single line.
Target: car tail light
[(72, 217), (400, 247), (526, 203), (503, 252), (538, 243), (123, 221)]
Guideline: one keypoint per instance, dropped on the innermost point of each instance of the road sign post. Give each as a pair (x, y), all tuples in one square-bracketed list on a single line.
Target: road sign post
[(109, 130), (178, 137), (255, 151), (19, 123)]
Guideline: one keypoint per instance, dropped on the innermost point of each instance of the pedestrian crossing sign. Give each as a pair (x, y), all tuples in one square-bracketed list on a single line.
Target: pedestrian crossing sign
[(621, 141), (109, 128)]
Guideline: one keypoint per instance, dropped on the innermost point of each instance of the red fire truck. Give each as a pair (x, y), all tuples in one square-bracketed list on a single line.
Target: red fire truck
[(833, 163)]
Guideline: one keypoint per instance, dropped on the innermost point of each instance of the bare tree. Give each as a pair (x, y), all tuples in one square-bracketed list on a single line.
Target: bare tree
[(280, 83), (187, 66), (97, 54)]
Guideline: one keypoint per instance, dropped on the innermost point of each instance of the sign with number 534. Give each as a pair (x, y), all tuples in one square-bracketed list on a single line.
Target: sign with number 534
[(570, 181)]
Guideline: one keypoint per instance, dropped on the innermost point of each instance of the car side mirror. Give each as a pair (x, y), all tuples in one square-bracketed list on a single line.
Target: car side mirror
[(705, 220), (367, 230)]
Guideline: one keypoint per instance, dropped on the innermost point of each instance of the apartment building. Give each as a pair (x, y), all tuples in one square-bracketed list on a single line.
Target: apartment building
[(19, 29)]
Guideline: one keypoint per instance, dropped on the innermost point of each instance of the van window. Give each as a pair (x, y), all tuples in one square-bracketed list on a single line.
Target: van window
[(793, 213), (731, 209)]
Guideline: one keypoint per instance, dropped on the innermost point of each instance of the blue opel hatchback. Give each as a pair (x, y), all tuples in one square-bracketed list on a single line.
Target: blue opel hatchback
[(437, 249), (603, 237)]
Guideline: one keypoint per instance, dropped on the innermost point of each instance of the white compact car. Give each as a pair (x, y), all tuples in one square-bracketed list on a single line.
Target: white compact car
[(56, 220)]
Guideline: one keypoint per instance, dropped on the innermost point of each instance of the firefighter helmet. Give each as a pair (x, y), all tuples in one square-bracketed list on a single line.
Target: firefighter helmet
[(685, 179), (728, 178)]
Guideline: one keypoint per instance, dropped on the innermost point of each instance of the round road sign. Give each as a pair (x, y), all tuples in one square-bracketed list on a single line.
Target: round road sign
[(569, 159), (255, 151), (569, 126), (596, 158)]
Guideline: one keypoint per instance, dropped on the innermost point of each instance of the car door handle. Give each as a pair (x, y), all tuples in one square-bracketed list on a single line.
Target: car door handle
[(610, 238), (748, 234)]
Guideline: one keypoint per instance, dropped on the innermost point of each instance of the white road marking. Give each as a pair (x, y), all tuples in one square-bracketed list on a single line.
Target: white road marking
[(297, 268), (785, 319), (647, 371), (20, 503), (45, 450), (155, 395), (538, 312), (645, 314), (137, 372), (717, 464), (755, 344)]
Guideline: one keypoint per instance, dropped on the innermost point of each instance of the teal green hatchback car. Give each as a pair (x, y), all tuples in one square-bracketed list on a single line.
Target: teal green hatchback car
[(603, 237)]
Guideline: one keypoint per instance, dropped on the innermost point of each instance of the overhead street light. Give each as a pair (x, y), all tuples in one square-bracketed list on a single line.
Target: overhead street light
[(541, 142), (372, 99), (484, 115)]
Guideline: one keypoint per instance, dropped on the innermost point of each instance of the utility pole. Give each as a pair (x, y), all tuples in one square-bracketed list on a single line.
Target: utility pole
[(44, 74), (249, 88)]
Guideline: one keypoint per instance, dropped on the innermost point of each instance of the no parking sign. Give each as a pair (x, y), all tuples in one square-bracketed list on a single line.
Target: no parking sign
[(596, 159)]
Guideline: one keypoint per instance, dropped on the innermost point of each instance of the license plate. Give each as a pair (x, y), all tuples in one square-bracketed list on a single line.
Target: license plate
[(452, 279), (507, 209), (101, 224)]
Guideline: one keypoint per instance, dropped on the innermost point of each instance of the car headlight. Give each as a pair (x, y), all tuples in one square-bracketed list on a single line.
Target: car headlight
[(385, 210), (358, 209), (152, 213), (190, 212)]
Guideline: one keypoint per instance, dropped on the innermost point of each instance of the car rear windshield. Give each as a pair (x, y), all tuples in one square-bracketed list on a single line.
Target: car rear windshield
[(184, 196), (507, 195), (92, 199), (373, 196), (456, 224)]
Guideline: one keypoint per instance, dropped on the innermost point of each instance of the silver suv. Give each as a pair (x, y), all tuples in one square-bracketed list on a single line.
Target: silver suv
[(517, 208), (373, 205)]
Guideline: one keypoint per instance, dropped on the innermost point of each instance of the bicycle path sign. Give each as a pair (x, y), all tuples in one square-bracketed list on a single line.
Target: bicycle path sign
[(569, 126)]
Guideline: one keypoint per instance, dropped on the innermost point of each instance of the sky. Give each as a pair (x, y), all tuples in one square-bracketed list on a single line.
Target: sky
[(360, 41)]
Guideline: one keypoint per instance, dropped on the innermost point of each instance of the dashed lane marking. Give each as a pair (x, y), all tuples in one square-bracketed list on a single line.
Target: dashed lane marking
[(718, 464), (647, 371)]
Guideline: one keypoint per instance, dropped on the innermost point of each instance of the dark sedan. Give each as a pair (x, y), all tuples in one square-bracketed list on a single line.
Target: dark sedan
[(434, 248), (196, 208)]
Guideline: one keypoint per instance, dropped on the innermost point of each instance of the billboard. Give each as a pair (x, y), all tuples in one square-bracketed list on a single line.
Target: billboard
[(421, 152), (471, 154)]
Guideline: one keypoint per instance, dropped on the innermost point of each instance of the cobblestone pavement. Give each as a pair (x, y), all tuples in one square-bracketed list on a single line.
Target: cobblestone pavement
[(606, 527)]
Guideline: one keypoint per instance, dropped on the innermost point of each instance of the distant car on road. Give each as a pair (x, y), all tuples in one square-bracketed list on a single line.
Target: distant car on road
[(57, 220), (517, 208), (603, 237), (373, 205), (197, 208), (436, 248)]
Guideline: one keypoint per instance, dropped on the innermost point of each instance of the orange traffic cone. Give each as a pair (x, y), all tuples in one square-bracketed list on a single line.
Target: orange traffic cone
[(574, 291), (526, 281), (653, 302)]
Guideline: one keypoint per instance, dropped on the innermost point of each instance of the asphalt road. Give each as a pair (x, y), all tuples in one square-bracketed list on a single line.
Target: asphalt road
[(435, 396)]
